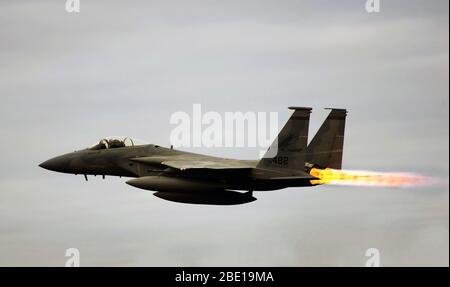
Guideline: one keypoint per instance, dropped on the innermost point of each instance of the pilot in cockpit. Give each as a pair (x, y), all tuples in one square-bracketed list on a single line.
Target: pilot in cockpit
[(113, 143), (107, 143)]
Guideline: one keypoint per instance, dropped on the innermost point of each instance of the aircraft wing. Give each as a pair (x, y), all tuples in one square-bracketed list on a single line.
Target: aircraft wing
[(204, 164), (183, 163)]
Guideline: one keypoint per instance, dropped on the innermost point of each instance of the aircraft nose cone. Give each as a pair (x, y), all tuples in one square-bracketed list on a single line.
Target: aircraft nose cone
[(59, 164)]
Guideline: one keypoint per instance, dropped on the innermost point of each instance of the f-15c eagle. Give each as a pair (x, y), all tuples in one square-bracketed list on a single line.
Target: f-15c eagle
[(186, 177)]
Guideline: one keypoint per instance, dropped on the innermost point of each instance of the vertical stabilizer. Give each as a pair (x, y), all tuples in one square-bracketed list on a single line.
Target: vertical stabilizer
[(325, 149), (288, 151)]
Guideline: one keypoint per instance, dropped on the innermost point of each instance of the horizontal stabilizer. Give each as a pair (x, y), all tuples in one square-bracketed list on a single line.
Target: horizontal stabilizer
[(309, 177), (274, 175)]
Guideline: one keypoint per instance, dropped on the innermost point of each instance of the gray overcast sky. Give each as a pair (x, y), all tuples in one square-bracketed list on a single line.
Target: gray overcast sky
[(123, 67)]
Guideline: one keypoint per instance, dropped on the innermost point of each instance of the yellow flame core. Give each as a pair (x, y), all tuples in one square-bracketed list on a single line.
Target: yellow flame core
[(366, 178)]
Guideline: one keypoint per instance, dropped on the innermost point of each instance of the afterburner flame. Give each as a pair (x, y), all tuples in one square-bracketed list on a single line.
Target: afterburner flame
[(367, 178)]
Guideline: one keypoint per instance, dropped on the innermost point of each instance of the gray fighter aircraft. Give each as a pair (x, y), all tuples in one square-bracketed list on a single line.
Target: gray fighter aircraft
[(200, 179)]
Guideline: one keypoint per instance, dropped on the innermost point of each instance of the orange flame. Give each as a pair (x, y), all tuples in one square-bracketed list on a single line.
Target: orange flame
[(367, 178)]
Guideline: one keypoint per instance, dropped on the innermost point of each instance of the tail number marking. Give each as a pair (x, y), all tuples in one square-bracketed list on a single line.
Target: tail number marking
[(281, 160)]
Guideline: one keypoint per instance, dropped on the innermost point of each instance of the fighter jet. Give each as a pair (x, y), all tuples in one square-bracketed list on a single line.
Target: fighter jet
[(186, 177)]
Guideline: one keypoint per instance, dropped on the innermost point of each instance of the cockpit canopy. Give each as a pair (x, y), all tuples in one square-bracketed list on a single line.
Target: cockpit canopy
[(116, 142)]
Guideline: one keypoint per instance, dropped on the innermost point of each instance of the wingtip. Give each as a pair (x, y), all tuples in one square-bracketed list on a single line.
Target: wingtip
[(300, 108), (336, 109)]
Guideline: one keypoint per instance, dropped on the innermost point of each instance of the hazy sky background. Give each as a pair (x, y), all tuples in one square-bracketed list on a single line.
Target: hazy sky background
[(123, 67)]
